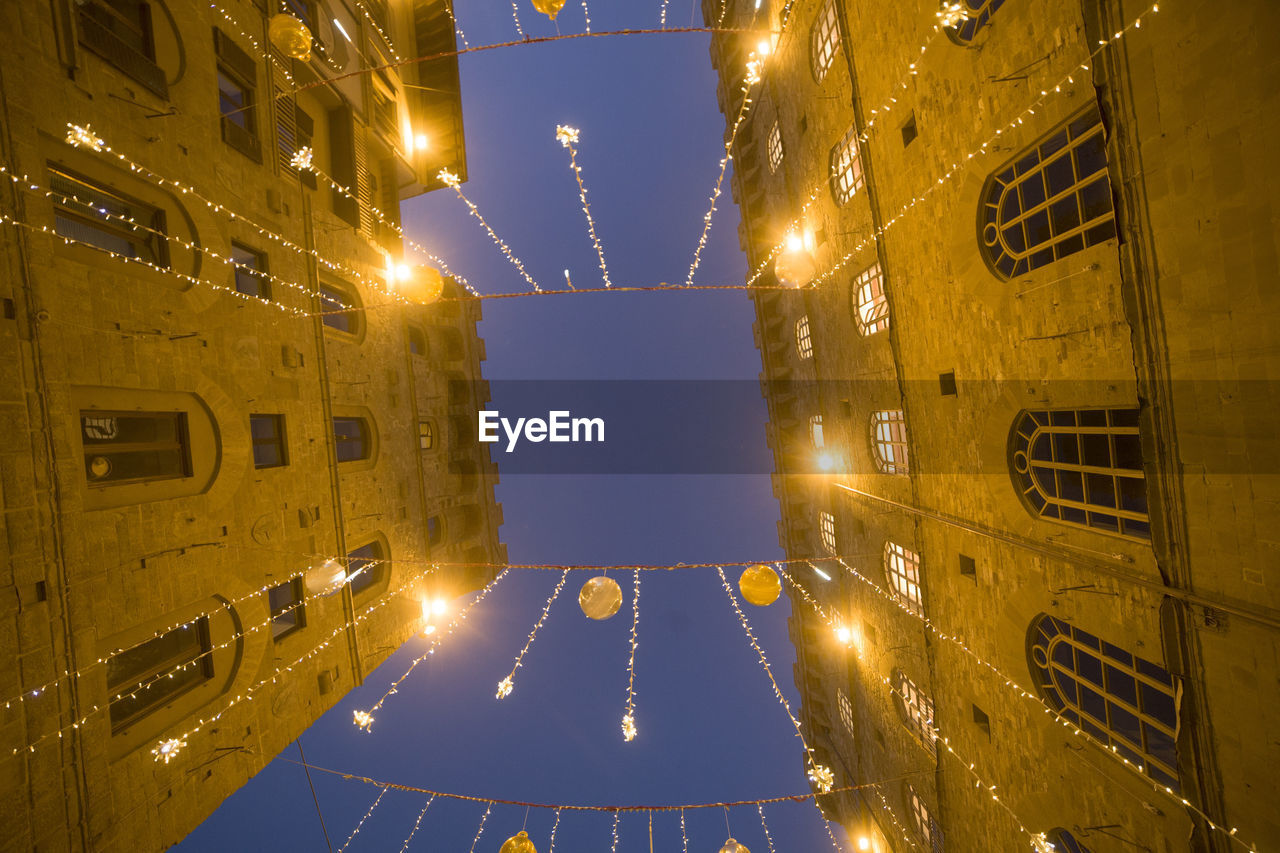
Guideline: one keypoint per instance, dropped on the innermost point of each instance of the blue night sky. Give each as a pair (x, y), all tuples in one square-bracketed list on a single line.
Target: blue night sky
[(710, 728)]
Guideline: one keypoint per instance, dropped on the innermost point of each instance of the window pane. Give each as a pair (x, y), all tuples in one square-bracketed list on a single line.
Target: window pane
[(157, 671), (130, 446)]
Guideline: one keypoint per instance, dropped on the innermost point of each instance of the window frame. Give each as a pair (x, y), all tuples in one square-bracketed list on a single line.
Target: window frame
[(98, 28), (256, 271), (147, 677), (827, 532), (889, 441), (347, 319), (926, 825), (869, 301), (278, 440), (376, 563), (237, 68), (773, 147), (916, 709), (824, 41), (844, 168), (902, 570), (1028, 472), (815, 432), (364, 441), (181, 443), (292, 615), (149, 243), (426, 434), (804, 338)]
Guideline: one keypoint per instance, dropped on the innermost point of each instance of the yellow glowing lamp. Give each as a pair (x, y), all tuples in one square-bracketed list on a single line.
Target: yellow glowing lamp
[(519, 843), (600, 598), (290, 36), (422, 284), (732, 846), (759, 585), (794, 266), (550, 8)]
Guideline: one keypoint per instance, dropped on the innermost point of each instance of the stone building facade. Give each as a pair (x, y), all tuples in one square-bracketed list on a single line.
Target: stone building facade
[(240, 434), (1022, 406)]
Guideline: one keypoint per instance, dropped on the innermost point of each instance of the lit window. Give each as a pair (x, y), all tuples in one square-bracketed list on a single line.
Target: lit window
[(827, 527), (250, 268), (804, 343), (845, 167), (846, 710), (1064, 842), (902, 567), (980, 12), (815, 431), (426, 435), (237, 95), (147, 677), (92, 213), (1126, 702), (824, 41), (926, 827), (351, 436), (286, 606), (134, 447), (417, 341), (366, 567), (268, 440), (889, 441), (1050, 201), (339, 309), (1082, 467), (775, 147), (916, 709), (870, 305)]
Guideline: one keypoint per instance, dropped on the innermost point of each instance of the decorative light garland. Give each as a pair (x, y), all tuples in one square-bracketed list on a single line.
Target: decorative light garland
[(488, 808), (884, 804), (586, 13), (765, 827), (515, 16), (416, 823), (684, 836), (629, 718), (568, 136), (613, 847), (385, 38), (449, 179), (554, 827), (505, 686), (356, 831), (436, 640)]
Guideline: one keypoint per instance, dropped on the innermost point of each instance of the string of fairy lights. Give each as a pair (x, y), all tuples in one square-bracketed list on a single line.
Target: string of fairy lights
[(506, 685), (451, 180), (414, 831), (356, 831), (568, 137), (629, 717)]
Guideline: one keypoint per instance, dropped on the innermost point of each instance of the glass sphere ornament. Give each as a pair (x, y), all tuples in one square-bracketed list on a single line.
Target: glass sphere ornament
[(600, 598), (519, 843), (550, 8), (759, 585), (290, 36), (732, 846), (794, 267)]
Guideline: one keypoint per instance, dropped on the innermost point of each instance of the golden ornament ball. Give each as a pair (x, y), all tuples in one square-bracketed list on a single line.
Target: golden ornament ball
[(759, 585), (600, 598), (794, 268), (732, 846), (290, 36), (550, 8), (519, 843), (425, 286)]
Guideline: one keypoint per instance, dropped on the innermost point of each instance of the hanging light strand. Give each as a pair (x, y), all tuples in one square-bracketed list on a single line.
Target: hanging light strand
[(568, 137), (684, 835), (765, 826), (515, 16), (554, 827), (436, 640), (893, 818), (629, 718), (416, 824), (505, 686), (483, 819), (356, 831), (613, 847), (451, 180), (586, 13)]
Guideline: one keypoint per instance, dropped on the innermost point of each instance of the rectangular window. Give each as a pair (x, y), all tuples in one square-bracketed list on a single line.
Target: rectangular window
[(250, 268), (92, 213), (146, 677), (134, 447), (237, 96), (365, 567), (352, 438), (386, 115), (287, 611), (119, 31), (306, 130), (334, 308), (268, 441), (426, 435)]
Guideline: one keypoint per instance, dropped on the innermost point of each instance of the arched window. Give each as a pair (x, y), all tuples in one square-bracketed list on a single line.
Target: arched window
[(804, 343), (926, 827), (367, 567), (870, 305), (1065, 842), (774, 145), (827, 528), (845, 167), (979, 14), (824, 41), (1050, 201), (1126, 702), (815, 431), (351, 436), (340, 308), (1082, 466), (889, 441), (902, 568), (916, 709)]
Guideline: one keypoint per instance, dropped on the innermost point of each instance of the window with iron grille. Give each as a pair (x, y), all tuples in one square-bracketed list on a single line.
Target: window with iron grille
[(845, 167), (827, 530), (92, 213), (870, 304), (889, 441), (902, 568), (1129, 704), (926, 827), (1082, 466), (916, 709), (804, 343), (147, 677), (824, 41), (1052, 200), (134, 447), (774, 145)]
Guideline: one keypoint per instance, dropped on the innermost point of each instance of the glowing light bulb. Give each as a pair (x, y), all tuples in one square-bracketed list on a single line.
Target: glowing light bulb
[(864, 843), (403, 272), (844, 635), (421, 142), (764, 47), (826, 462), (439, 606), (794, 242)]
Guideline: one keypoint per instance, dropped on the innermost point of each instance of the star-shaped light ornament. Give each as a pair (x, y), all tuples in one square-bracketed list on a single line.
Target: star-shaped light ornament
[(167, 749), (629, 728), (83, 137), (567, 135), (952, 14), (822, 778), (302, 159), (363, 720), (504, 687), (755, 67), (1040, 843), (449, 179)]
